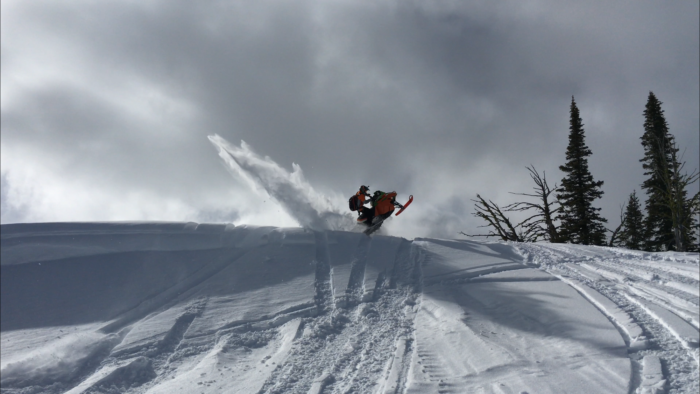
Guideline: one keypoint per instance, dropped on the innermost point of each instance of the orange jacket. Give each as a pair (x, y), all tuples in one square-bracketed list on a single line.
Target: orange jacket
[(384, 204), (361, 198)]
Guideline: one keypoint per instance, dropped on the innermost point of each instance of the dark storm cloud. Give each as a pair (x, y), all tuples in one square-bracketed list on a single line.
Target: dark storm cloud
[(437, 99)]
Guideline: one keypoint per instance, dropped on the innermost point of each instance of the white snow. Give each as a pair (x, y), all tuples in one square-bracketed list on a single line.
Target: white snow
[(657, 291), (652, 375), (686, 333), (531, 332), (634, 333), (216, 308)]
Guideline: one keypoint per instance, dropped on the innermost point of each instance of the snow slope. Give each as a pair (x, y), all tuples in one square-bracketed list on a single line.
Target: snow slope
[(214, 308)]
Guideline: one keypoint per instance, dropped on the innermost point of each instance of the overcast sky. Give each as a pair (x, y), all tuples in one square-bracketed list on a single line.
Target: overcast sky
[(107, 105)]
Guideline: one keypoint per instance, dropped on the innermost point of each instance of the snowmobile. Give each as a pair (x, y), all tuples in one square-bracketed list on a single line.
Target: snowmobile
[(382, 206)]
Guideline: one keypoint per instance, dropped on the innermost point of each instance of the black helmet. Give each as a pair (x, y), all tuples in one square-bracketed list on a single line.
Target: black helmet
[(364, 189)]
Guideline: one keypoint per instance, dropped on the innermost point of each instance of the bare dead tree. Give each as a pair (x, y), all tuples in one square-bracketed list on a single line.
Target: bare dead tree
[(541, 224), (499, 224), (617, 234)]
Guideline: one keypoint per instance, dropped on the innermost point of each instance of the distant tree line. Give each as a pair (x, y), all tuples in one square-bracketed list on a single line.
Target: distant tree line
[(566, 213)]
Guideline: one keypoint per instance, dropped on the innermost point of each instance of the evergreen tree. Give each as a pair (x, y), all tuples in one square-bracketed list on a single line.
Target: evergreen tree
[(680, 207), (633, 224), (580, 221), (663, 187)]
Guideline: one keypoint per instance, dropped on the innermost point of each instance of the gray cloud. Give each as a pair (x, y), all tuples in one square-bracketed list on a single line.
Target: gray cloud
[(437, 99)]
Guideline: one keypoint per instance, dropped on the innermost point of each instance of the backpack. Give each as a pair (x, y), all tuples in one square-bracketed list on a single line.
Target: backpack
[(354, 202)]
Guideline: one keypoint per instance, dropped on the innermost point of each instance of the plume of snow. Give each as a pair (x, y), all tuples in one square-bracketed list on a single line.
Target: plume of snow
[(294, 194)]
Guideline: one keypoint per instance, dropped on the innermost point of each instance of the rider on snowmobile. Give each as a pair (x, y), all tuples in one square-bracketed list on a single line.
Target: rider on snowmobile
[(357, 202)]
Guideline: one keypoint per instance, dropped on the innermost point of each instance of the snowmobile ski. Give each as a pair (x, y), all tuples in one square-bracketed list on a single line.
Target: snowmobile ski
[(410, 200)]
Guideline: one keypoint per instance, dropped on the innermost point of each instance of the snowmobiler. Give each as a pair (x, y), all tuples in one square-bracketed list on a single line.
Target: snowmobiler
[(383, 205)]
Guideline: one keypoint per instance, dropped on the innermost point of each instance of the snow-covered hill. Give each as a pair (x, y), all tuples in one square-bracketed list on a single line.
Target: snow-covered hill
[(214, 308)]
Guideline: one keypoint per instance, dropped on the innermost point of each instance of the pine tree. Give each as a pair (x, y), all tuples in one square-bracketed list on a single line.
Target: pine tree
[(680, 207), (580, 221), (669, 222), (658, 228), (633, 225)]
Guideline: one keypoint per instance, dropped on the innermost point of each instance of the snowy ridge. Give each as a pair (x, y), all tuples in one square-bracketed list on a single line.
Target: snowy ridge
[(67, 240), (187, 307)]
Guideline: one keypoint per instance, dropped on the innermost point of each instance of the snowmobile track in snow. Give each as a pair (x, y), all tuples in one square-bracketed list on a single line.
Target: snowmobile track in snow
[(359, 342), (323, 283), (355, 287), (679, 364)]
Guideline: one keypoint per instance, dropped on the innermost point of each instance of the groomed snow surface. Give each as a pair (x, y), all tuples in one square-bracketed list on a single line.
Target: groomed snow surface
[(214, 308)]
